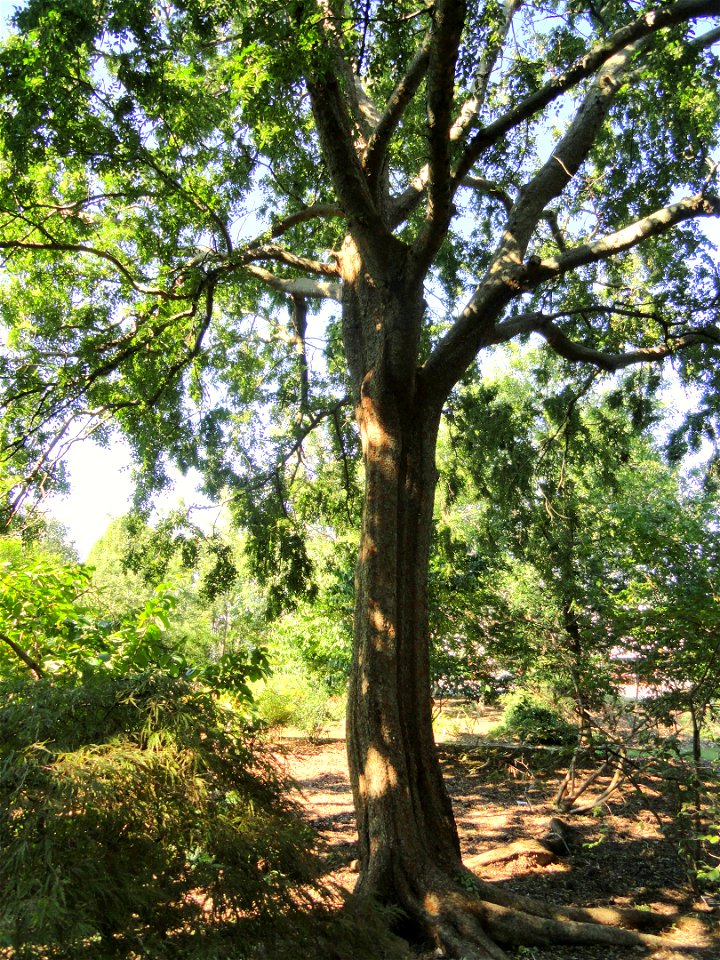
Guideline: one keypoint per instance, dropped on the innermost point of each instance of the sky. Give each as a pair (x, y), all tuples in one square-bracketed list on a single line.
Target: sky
[(100, 492), (6, 9), (101, 488)]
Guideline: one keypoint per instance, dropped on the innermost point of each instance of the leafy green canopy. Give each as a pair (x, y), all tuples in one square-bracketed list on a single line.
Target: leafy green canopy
[(173, 199)]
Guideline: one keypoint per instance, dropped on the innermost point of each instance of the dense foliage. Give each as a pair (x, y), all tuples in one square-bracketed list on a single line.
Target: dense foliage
[(182, 184), (132, 809)]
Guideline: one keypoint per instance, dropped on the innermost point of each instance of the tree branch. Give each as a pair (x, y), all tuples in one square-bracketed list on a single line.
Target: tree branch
[(301, 287), (705, 40), (342, 142), (304, 430), (610, 362), (351, 185), (476, 326), (645, 25), (613, 243), (315, 211), (26, 659), (364, 111), (404, 204), (280, 254), (400, 98), (298, 318), (470, 110), (62, 247), (490, 189), (448, 23), (471, 331), (566, 158)]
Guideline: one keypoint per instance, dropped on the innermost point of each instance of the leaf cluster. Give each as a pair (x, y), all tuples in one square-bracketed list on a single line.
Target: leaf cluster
[(50, 626)]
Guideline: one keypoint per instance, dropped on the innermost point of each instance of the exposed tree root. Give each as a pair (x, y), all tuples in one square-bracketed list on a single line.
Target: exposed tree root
[(518, 928), (511, 851), (476, 926), (458, 933), (609, 916)]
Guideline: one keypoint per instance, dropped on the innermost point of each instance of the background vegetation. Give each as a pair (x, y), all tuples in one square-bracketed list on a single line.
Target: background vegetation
[(575, 564)]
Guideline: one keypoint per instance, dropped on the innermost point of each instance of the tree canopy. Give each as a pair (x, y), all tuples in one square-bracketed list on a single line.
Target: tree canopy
[(177, 182), (227, 225)]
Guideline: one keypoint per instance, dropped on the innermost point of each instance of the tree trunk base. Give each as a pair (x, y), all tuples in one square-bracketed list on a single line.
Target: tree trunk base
[(473, 920)]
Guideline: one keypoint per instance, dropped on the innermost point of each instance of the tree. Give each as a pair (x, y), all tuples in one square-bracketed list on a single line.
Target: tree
[(218, 609), (174, 175), (538, 465)]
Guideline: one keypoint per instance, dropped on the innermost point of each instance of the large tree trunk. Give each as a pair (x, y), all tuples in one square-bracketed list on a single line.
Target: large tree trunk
[(409, 849), (405, 818)]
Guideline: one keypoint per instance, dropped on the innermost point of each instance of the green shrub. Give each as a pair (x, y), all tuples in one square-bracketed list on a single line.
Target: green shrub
[(295, 699), (133, 810), (531, 719)]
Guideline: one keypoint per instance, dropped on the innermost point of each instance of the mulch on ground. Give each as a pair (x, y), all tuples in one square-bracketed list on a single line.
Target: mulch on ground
[(625, 853)]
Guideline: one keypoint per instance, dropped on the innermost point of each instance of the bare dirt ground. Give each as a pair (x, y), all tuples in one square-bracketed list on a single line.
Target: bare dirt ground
[(624, 855)]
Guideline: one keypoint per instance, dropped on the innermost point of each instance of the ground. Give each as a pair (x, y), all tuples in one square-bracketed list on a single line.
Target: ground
[(625, 853)]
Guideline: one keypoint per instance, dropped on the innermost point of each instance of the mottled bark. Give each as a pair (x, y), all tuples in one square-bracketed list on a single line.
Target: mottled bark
[(405, 819), (404, 815)]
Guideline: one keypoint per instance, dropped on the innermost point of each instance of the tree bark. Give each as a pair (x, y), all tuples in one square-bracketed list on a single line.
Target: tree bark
[(405, 820)]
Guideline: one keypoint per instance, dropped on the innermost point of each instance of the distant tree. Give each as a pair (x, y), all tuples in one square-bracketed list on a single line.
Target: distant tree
[(219, 607), (182, 182), (121, 589), (540, 471), (667, 614)]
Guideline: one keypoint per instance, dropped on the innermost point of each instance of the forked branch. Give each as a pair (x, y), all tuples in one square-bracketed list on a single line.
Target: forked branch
[(400, 98), (448, 23), (299, 286), (644, 25), (470, 110)]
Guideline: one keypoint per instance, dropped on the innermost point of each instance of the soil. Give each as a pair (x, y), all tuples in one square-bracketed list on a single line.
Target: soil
[(625, 853)]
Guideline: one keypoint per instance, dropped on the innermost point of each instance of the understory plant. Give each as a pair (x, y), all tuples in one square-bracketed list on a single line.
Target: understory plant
[(533, 719), (136, 814), (296, 698)]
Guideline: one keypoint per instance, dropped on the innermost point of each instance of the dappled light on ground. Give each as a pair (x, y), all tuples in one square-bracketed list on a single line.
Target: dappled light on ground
[(625, 856)]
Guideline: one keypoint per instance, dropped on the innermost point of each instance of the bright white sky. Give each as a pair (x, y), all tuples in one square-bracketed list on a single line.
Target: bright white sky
[(101, 488), (6, 9)]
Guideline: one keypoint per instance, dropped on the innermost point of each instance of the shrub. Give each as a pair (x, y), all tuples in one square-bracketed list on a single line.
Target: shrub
[(295, 699), (532, 720), (133, 809)]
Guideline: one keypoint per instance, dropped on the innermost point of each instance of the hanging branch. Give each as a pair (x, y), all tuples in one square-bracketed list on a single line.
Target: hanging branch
[(646, 24)]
